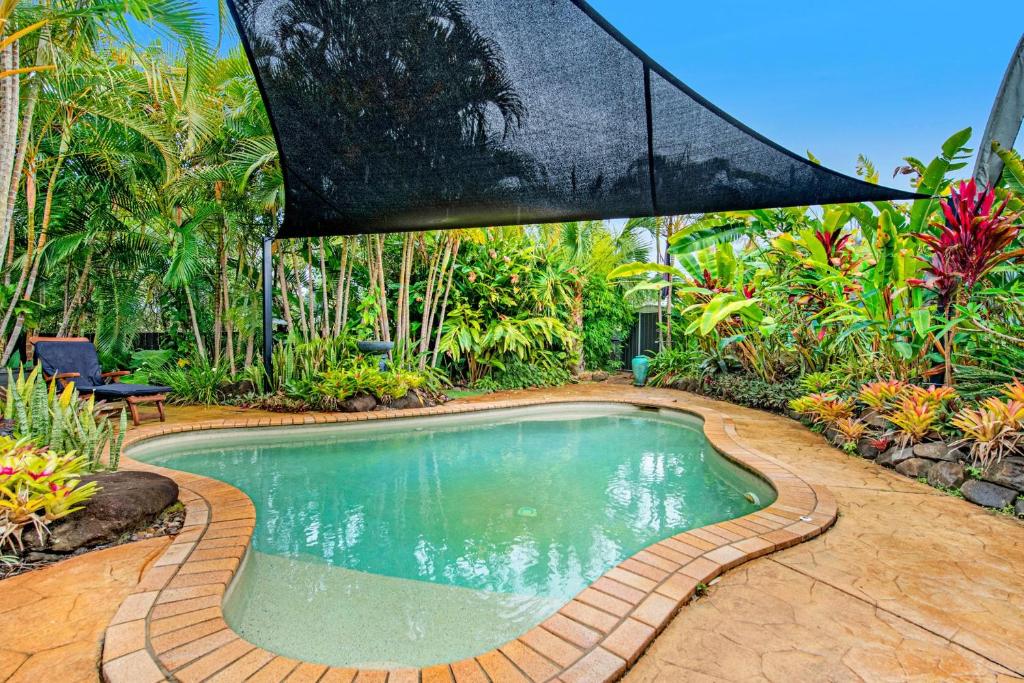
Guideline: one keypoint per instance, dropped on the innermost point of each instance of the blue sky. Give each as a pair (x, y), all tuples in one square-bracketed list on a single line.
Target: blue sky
[(838, 78)]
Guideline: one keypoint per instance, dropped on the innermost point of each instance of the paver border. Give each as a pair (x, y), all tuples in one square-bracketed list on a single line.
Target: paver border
[(172, 626)]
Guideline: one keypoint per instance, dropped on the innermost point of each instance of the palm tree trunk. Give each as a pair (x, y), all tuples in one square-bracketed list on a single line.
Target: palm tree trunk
[(282, 283), (33, 253), (299, 299), (195, 324), (311, 283), (385, 324), (444, 303), (24, 133), (76, 299), (323, 287), (339, 294)]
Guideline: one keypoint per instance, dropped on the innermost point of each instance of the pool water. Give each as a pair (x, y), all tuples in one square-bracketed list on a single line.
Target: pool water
[(427, 540)]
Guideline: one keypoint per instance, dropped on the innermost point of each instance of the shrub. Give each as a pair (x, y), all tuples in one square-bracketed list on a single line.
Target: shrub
[(363, 377), (753, 392), (37, 487), (880, 395), (674, 364), (914, 419), (606, 314), (993, 430), (193, 381), (61, 422), (522, 375), (851, 429)]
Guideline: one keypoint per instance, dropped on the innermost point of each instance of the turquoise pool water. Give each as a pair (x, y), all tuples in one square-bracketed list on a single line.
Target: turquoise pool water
[(425, 540)]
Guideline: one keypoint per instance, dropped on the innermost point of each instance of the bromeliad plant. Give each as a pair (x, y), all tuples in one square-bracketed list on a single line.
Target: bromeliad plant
[(882, 394), (37, 487), (993, 430), (914, 419)]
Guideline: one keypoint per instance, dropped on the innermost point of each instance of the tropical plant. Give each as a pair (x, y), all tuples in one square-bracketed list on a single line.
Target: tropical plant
[(913, 419), (62, 421), (37, 487), (881, 394), (992, 430), (193, 381)]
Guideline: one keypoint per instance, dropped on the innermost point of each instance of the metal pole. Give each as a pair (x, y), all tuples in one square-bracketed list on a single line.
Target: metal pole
[(268, 307)]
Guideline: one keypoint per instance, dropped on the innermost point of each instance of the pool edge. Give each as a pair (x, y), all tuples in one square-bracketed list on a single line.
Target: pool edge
[(172, 626)]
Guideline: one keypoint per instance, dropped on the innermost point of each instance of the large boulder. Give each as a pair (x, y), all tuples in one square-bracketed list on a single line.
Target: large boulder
[(360, 403), (125, 502), (894, 456), (938, 450), (946, 475), (867, 447), (915, 467), (1018, 509), (987, 494), (1008, 472), (874, 419), (412, 399)]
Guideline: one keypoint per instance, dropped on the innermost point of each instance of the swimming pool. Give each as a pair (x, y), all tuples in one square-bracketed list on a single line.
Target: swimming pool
[(415, 541)]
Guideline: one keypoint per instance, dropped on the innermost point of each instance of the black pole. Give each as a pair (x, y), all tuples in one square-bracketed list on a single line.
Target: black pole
[(268, 307)]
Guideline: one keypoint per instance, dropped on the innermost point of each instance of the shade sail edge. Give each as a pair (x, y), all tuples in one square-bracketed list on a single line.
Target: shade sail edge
[(368, 147)]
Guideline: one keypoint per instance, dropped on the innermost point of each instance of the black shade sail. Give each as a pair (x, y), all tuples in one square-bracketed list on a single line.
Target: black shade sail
[(423, 114)]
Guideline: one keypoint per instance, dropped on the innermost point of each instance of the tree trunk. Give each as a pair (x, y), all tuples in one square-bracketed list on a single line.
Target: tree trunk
[(76, 299), (385, 324), (24, 133), (323, 286), (444, 302), (282, 283), (339, 294), (195, 324), (299, 298), (33, 254)]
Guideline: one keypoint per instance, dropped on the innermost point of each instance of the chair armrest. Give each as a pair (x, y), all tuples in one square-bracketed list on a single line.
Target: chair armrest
[(62, 376), (116, 375)]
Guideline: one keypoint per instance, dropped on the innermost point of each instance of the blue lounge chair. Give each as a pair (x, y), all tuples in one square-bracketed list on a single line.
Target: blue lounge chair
[(74, 359)]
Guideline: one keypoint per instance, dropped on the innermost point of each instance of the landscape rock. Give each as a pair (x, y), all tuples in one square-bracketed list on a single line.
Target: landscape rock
[(947, 475), (586, 376), (1018, 509), (867, 449), (237, 389), (412, 399), (1008, 472), (125, 502), (987, 494), (915, 467), (600, 376), (874, 419), (938, 450), (360, 403), (894, 456)]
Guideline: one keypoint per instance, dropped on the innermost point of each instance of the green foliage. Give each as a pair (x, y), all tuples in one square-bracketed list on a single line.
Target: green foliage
[(521, 375), (606, 315), (61, 421), (751, 391), (37, 487), (363, 377), (193, 381)]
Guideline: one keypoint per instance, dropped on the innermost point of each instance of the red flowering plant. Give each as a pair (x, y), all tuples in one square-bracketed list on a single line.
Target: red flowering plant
[(970, 243), (974, 238)]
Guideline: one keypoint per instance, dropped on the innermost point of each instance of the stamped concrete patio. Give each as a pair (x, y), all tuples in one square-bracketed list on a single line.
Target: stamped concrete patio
[(909, 584)]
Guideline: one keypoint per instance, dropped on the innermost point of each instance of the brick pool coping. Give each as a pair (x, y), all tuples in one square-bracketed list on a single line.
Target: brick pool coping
[(172, 626)]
